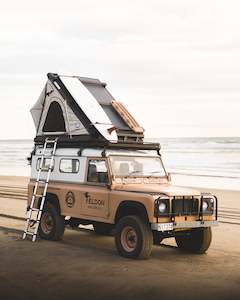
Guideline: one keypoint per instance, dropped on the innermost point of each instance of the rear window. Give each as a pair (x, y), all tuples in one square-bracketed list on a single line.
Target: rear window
[(46, 164), (68, 165)]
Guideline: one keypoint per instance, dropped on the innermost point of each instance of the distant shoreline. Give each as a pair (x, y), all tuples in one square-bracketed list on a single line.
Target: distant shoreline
[(7, 180), (212, 162), (205, 175)]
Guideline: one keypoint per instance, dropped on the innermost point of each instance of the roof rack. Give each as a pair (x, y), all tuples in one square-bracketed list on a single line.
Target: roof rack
[(87, 142)]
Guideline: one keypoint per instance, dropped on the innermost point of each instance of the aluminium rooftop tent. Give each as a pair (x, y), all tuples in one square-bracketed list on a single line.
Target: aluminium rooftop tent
[(80, 109)]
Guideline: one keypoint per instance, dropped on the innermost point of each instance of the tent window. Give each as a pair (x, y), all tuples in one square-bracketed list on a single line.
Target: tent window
[(54, 120)]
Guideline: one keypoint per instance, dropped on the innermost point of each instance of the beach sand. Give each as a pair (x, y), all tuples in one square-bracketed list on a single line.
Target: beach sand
[(86, 266)]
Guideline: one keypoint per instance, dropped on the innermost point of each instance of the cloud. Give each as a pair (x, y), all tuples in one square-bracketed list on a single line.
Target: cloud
[(163, 55)]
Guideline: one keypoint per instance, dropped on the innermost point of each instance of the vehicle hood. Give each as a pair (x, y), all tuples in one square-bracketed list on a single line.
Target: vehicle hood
[(167, 189)]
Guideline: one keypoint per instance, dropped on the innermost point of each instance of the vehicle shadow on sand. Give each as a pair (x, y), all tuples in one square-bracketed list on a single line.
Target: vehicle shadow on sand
[(105, 245)]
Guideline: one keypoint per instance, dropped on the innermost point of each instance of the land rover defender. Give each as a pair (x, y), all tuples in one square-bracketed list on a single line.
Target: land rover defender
[(90, 165), (124, 192)]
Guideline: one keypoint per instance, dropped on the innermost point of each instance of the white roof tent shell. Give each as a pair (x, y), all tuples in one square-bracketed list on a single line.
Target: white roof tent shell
[(82, 109)]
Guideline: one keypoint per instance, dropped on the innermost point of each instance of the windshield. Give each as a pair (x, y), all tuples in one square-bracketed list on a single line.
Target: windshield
[(125, 166)]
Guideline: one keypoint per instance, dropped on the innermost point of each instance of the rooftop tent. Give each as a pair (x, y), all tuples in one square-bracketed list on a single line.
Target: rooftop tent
[(53, 115), (78, 107)]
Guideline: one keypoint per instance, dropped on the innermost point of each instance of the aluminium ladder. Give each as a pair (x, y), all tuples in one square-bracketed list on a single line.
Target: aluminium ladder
[(35, 211)]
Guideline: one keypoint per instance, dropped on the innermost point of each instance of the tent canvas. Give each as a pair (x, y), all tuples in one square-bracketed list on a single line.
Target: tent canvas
[(77, 106)]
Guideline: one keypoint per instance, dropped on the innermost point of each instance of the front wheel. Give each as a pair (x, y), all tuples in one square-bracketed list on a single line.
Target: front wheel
[(52, 224), (195, 241), (133, 238)]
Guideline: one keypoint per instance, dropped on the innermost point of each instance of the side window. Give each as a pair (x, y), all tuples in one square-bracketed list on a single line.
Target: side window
[(46, 163), (69, 165), (97, 171)]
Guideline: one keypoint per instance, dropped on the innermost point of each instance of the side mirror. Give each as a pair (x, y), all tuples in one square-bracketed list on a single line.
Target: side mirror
[(169, 178)]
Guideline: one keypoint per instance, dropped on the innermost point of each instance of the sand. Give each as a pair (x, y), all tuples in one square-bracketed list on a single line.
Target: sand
[(86, 266)]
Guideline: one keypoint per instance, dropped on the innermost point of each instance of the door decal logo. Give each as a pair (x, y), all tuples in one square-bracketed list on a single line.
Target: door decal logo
[(93, 202), (70, 199)]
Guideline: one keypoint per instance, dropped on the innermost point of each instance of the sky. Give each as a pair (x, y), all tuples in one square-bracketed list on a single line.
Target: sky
[(175, 64)]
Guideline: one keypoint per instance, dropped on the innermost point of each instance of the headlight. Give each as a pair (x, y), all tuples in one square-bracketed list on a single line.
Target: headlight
[(207, 205), (204, 205), (162, 206)]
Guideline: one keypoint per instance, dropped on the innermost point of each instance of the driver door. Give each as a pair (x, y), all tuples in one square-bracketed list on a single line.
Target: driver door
[(95, 199)]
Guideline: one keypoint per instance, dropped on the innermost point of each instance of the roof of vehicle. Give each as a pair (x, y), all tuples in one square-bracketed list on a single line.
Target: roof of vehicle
[(96, 152)]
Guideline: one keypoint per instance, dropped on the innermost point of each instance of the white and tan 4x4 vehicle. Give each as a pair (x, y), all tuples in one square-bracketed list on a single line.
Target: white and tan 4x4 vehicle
[(110, 178), (128, 193)]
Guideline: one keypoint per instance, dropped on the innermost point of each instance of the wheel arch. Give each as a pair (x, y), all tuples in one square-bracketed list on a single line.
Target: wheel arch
[(129, 207), (53, 199)]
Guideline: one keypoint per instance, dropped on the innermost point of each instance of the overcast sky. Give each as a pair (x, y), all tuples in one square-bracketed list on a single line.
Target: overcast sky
[(175, 64)]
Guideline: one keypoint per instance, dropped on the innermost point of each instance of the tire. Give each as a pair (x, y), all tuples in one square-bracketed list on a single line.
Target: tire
[(196, 241), (102, 229), (52, 224), (133, 238)]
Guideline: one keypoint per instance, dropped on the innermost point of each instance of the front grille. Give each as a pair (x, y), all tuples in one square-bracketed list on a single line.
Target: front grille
[(184, 206)]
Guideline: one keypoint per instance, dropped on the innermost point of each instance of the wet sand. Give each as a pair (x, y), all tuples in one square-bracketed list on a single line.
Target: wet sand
[(86, 266)]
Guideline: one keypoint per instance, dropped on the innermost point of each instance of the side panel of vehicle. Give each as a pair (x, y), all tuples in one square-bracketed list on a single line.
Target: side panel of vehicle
[(96, 203), (59, 173)]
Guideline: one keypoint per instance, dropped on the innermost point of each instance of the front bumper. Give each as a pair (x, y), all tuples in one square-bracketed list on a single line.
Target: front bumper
[(181, 225)]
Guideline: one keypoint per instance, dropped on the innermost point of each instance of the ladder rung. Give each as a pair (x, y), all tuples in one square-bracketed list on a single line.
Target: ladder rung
[(47, 156), (35, 209), (45, 169), (35, 221), (38, 196), (42, 181), (50, 141), (30, 233)]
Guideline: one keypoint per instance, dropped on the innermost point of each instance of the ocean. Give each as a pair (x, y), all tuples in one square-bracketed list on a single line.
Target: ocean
[(204, 162)]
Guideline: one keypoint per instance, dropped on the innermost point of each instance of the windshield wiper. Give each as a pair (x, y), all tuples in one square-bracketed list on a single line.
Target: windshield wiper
[(155, 172), (134, 172)]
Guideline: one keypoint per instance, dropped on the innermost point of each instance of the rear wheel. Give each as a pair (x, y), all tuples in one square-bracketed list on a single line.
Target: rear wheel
[(195, 241), (52, 224), (133, 238)]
